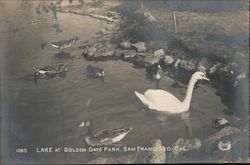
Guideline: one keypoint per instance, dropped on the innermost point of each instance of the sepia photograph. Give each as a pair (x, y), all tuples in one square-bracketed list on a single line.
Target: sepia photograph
[(124, 81)]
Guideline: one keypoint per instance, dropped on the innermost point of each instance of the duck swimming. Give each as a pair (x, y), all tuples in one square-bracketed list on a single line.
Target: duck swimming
[(49, 71), (95, 72), (62, 44), (104, 137), (160, 100)]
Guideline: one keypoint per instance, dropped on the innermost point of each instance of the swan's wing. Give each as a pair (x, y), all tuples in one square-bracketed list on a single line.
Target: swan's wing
[(161, 97)]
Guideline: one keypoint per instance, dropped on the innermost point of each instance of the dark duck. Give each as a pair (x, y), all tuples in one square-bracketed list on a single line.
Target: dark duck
[(95, 72), (104, 137), (153, 71), (62, 44)]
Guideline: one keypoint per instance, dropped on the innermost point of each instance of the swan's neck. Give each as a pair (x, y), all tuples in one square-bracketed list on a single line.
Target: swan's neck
[(189, 93)]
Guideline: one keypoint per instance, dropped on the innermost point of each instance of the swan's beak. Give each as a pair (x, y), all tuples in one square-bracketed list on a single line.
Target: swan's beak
[(205, 78)]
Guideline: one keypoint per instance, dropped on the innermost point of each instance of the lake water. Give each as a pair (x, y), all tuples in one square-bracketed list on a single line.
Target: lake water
[(47, 114)]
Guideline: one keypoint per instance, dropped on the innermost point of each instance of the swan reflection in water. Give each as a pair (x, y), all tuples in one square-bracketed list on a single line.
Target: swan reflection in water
[(164, 117)]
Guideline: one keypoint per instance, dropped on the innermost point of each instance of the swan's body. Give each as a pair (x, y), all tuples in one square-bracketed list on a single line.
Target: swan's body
[(104, 137), (164, 101)]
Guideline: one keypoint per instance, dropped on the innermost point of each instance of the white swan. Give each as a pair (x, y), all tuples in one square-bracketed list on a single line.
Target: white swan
[(160, 100)]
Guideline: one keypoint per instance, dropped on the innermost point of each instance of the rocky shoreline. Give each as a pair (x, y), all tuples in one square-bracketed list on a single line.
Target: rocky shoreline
[(123, 39), (196, 52)]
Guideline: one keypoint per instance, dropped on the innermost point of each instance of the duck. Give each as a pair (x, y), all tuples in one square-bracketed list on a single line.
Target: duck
[(94, 72), (163, 101), (48, 71), (62, 44), (104, 137), (44, 72), (153, 71)]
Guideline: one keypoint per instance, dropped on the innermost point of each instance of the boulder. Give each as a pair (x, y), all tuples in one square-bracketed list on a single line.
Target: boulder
[(125, 45), (138, 60), (89, 51), (201, 68), (151, 59), (158, 155), (168, 60), (215, 68), (159, 53), (184, 145), (105, 31), (188, 65), (100, 51), (128, 55), (140, 46)]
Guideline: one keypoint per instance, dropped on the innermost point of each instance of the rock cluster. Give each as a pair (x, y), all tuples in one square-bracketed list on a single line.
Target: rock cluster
[(184, 145)]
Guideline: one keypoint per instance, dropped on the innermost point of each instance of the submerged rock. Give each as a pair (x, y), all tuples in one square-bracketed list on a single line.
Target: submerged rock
[(226, 131), (184, 145), (140, 46), (220, 122)]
